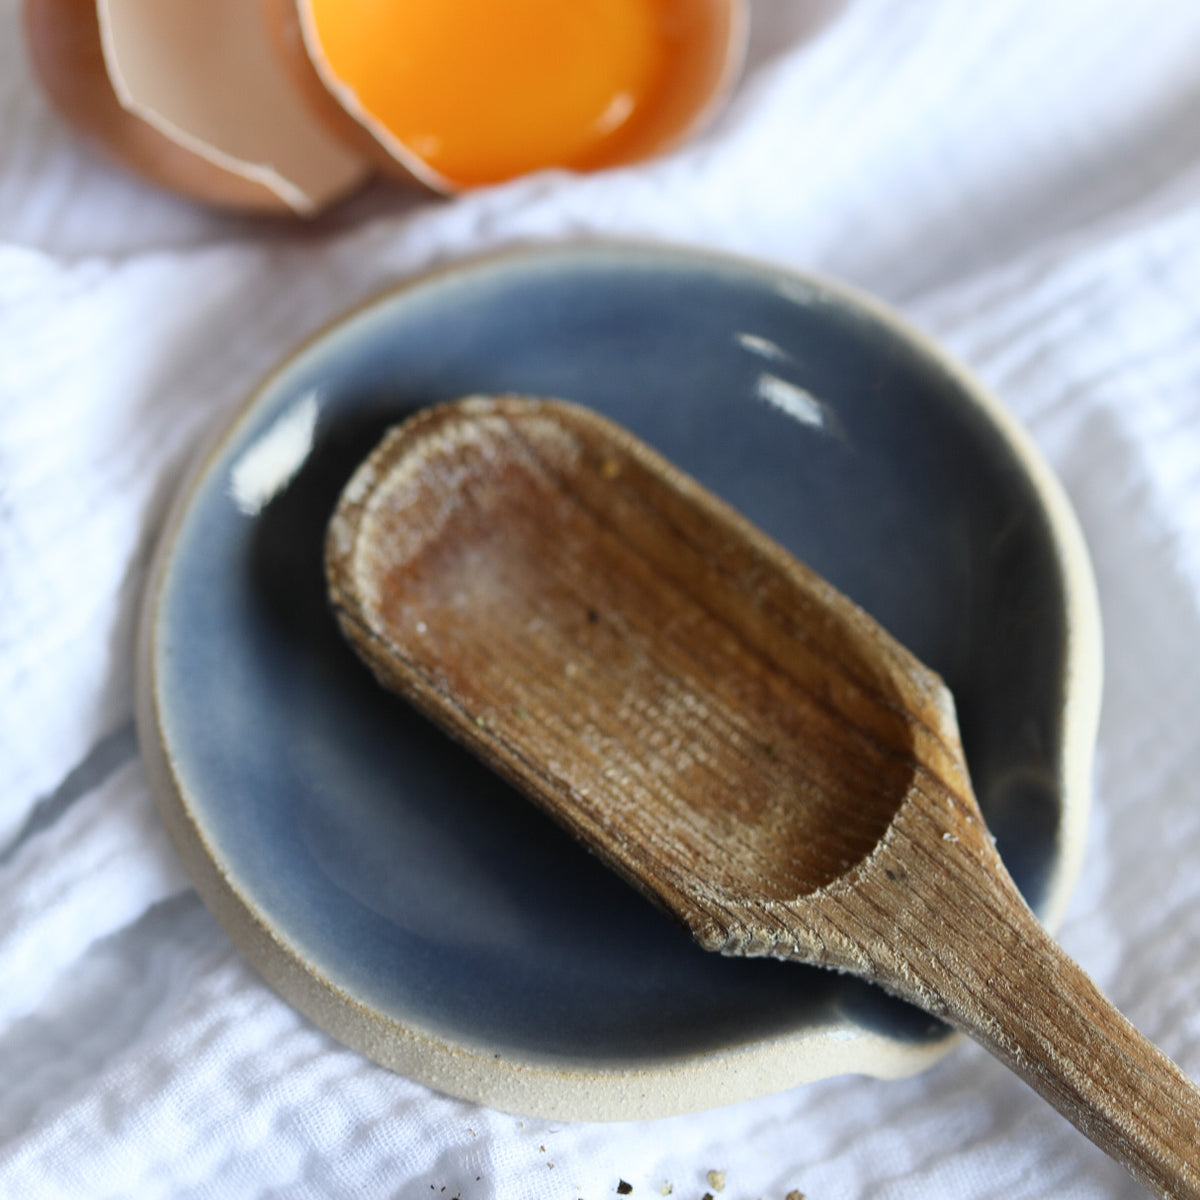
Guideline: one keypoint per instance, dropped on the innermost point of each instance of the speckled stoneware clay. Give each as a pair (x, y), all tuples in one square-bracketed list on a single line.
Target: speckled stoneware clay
[(412, 904)]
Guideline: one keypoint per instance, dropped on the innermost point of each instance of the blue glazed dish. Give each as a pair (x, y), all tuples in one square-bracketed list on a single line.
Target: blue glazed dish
[(413, 905)]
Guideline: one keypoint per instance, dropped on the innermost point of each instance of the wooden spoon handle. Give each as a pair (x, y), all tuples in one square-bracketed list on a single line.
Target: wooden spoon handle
[(963, 944), (1044, 1017)]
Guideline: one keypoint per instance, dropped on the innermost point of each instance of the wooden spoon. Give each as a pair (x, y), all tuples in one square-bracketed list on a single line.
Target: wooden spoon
[(727, 731)]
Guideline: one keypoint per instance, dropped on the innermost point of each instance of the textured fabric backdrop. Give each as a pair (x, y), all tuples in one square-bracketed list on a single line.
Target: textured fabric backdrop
[(1020, 178)]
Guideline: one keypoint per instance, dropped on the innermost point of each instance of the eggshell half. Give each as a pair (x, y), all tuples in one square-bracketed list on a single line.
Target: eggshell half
[(700, 81), (189, 94)]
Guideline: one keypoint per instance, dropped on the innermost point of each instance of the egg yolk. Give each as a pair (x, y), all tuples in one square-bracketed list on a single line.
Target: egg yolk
[(484, 90)]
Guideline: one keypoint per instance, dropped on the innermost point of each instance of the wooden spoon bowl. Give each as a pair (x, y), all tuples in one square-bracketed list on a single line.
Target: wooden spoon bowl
[(648, 662), (725, 729)]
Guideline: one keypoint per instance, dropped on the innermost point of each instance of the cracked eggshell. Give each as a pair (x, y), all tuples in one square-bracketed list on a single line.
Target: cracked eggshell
[(188, 94), (701, 78)]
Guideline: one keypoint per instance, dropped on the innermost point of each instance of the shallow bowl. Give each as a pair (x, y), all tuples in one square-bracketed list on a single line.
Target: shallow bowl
[(413, 905)]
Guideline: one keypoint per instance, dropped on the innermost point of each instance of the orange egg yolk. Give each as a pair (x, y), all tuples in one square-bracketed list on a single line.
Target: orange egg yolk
[(484, 90)]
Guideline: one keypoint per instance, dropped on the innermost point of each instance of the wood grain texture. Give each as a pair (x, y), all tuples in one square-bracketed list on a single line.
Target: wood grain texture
[(727, 731)]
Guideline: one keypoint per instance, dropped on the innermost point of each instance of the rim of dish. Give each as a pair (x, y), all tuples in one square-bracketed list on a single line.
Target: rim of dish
[(544, 1085)]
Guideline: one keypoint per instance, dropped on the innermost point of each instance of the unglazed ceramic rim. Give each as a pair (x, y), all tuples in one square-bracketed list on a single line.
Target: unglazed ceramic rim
[(543, 1086)]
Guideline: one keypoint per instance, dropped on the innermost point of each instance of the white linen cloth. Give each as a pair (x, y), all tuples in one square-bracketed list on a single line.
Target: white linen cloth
[(1021, 178)]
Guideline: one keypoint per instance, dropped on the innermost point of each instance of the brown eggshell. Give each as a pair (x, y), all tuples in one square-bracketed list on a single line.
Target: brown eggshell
[(138, 107)]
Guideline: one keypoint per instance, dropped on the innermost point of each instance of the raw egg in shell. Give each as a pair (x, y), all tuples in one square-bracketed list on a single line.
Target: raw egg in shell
[(460, 93), (287, 105)]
